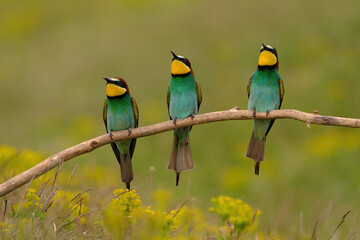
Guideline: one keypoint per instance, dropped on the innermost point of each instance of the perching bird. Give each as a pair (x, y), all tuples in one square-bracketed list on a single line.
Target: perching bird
[(183, 100), (265, 91), (120, 112)]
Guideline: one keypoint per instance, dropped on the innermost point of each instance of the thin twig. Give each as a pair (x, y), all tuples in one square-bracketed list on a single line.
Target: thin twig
[(313, 236), (5, 208), (42, 188), (74, 220), (254, 216), (340, 223), (71, 177), (182, 205), (232, 114), (56, 174)]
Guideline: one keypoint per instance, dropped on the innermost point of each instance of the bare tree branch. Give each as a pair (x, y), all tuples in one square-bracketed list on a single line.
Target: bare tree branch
[(232, 114)]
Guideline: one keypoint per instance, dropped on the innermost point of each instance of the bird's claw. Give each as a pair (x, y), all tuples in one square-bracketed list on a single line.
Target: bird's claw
[(192, 116), (174, 121), (129, 131), (267, 112), (111, 135), (254, 113)]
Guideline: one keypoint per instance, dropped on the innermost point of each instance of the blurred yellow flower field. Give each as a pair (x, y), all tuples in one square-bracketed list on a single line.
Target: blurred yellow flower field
[(63, 213)]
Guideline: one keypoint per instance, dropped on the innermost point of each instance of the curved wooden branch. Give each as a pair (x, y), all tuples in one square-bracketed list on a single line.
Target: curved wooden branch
[(232, 114)]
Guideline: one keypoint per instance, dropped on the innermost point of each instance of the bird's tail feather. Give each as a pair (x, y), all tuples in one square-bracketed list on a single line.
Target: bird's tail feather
[(256, 151), (127, 174), (180, 158), (172, 161)]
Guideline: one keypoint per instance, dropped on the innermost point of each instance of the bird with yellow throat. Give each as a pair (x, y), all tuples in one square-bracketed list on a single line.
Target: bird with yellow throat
[(265, 92), (183, 100), (120, 112)]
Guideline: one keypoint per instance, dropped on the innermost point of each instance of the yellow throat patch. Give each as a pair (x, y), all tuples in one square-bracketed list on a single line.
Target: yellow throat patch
[(113, 90), (267, 58), (179, 68)]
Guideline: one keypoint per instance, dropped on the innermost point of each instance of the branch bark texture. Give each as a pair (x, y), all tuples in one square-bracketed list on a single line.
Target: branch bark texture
[(232, 114)]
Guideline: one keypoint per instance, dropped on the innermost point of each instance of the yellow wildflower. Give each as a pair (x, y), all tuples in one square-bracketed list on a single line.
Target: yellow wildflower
[(235, 211), (6, 227)]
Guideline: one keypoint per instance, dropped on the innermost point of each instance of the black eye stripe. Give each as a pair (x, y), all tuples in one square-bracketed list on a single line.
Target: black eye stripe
[(274, 52), (187, 63), (119, 83)]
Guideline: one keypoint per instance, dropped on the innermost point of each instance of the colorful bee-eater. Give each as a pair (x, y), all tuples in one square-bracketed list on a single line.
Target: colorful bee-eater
[(120, 113), (183, 100), (265, 91)]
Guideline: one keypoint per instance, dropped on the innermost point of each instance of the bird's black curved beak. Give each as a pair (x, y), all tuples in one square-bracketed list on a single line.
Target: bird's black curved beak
[(107, 79), (264, 45), (174, 55)]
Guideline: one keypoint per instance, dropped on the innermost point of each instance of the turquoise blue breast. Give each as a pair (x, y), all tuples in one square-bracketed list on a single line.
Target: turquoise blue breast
[(264, 96), (183, 97), (120, 116), (264, 90)]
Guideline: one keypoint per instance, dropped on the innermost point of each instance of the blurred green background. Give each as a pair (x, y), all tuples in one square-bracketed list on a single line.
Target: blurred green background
[(53, 56)]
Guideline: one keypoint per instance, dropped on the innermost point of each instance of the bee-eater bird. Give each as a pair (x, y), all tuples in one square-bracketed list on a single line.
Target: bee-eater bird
[(120, 112), (183, 100), (265, 92)]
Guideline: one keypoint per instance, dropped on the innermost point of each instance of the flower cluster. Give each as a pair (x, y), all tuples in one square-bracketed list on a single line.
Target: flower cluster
[(125, 214), (234, 212), (32, 207), (5, 227), (32, 200), (125, 201)]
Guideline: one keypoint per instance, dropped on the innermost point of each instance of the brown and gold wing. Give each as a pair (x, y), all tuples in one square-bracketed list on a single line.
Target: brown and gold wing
[(282, 91), (248, 87), (105, 113), (136, 115), (136, 111), (199, 94)]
